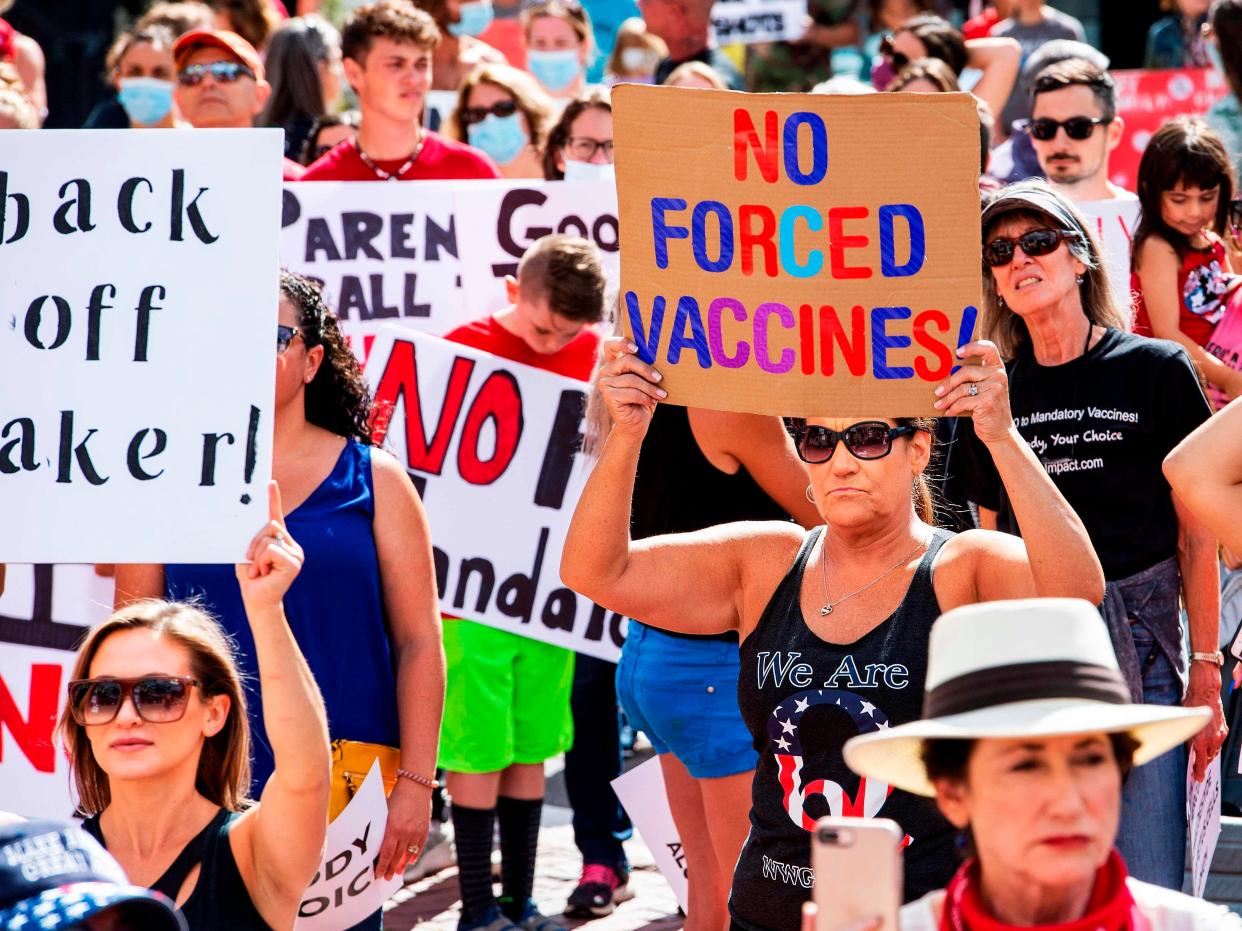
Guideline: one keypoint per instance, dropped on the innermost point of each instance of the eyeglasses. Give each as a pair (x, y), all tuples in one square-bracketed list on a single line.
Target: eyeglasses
[(583, 148), (284, 336), (157, 699), (501, 108), (898, 59), (226, 72), (1033, 242), (1076, 127), (869, 439), (1235, 213)]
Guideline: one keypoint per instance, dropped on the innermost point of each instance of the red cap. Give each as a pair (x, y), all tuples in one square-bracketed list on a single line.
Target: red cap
[(231, 42)]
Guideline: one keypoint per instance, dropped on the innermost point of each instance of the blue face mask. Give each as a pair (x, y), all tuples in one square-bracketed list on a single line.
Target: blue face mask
[(501, 137), (146, 100), (475, 17), (554, 70)]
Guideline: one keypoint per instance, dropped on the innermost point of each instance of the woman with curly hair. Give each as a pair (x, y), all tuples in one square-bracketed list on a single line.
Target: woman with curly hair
[(365, 612)]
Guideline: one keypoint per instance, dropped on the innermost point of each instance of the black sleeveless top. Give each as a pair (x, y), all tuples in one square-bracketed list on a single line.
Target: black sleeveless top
[(802, 699), (220, 898)]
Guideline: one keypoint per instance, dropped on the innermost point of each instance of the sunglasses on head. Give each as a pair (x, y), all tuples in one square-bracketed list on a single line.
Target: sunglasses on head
[(226, 72), (1033, 242), (868, 439), (1076, 127), (897, 59), (157, 699), (501, 108)]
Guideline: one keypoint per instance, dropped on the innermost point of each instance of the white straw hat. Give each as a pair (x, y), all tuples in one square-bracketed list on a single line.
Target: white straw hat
[(1039, 667)]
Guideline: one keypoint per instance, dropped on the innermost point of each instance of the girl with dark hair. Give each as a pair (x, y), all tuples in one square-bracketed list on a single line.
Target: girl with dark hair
[(303, 65), (1181, 267), (365, 614), (579, 147)]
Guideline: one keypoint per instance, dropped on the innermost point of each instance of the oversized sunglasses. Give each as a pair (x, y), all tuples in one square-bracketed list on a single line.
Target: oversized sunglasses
[(501, 108), (226, 72), (157, 699), (1033, 242), (284, 336), (898, 59), (868, 439), (1076, 127)]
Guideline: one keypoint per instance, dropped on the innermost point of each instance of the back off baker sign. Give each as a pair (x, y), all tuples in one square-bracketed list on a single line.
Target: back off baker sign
[(137, 336), (798, 254)]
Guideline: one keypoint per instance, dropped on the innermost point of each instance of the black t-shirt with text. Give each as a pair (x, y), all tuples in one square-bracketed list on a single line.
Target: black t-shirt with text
[(1101, 425)]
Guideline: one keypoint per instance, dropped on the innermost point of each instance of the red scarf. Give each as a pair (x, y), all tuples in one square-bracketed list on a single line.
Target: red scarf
[(1110, 908)]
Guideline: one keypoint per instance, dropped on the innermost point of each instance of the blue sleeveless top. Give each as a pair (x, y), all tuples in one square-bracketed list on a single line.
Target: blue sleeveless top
[(335, 609)]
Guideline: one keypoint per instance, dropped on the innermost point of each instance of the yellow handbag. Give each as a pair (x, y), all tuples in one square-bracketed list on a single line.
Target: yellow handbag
[(351, 761)]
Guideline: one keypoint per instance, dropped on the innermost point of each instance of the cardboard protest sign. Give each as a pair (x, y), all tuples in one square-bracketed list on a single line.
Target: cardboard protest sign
[(493, 447), (136, 359), (1147, 99), (497, 221), (798, 254), (346, 890), (385, 252), (749, 21), (44, 613), (642, 795)]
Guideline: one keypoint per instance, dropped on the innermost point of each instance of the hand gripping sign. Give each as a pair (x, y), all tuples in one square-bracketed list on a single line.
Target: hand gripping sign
[(798, 254)]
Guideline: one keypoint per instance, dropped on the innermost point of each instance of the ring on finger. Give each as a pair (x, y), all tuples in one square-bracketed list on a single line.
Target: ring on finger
[(973, 390)]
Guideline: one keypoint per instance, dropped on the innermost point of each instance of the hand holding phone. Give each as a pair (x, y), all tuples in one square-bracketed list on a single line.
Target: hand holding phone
[(858, 875)]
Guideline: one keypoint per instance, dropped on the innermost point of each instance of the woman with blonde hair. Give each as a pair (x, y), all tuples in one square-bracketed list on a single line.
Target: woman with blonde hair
[(559, 44), (696, 74), (635, 54), (503, 112), (159, 749)]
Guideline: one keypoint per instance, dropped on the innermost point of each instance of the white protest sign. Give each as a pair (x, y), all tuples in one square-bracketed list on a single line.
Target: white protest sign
[(44, 613), (438, 107), (345, 889), (642, 795), (1202, 823), (750, 21), (139, 288), (492, 446), (386, 252), (497, 221), (1113, 222)]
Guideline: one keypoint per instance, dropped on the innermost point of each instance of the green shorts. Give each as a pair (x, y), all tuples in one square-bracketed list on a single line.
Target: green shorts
[(506, 700)]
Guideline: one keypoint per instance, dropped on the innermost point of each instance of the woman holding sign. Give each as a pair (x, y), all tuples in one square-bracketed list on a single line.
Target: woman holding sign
[(833, 622), (159, 750)]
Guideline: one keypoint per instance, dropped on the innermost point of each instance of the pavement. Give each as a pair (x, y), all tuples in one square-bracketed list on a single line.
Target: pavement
[(433, 904)]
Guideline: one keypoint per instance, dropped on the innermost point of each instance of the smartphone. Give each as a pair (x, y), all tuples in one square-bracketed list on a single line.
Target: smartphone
[(857, 863)]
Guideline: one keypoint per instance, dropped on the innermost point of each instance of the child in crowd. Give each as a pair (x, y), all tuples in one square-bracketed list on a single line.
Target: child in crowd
[(635, 55), (1181, 271), (507, 697)]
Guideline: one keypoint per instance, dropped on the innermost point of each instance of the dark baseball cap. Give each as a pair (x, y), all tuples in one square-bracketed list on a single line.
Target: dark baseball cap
[(55, 875), (1034, 195)]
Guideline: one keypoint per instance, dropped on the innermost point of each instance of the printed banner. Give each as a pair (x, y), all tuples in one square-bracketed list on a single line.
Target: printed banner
[(136, 359), (748, 21), (386, 253), (1147, 99), (642, 795), (492, 446), (346, 890), (769, 267), (1114, 222), (497, 221), (44, 613)]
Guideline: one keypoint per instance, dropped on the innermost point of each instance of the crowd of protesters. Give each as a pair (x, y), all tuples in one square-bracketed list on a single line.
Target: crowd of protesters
[(217, 720)]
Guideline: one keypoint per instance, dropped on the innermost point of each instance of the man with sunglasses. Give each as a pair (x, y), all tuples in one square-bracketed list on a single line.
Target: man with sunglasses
[(1074, 128), (220, 84), (387, 49)]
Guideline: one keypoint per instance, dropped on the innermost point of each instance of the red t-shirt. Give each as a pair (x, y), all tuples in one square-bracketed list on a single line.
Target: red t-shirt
[(576, 360), (980, 27), (1203, 284), (440, 160)]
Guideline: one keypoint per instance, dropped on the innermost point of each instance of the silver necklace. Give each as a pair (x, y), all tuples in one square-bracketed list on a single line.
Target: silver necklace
[(829, 605), (391, 175)]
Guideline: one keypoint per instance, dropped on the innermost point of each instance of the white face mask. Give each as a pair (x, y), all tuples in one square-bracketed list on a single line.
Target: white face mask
[(590, 171), (637, 60)]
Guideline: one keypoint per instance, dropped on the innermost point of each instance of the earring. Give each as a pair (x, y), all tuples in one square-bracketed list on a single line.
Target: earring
[(1079, 279), (809, 497), (1000, 301), (310, 378)]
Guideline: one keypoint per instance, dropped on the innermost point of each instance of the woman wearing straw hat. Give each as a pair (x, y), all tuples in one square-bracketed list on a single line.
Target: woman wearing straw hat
[(1027, 736)]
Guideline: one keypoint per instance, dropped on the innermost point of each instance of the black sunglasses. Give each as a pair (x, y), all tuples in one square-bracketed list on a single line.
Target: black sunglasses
[(1235, 213), (226, 72), (501, 108), (1076, 127), (898, 59), (868, 439), (157, 699), (284, 336), (1033, 242)]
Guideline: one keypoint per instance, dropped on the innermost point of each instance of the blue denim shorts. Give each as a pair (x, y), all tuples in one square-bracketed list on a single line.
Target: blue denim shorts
[(682, 694)]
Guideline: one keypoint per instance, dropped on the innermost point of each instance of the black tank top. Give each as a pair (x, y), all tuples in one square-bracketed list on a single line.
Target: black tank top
[(220, 898), (802, 699)]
